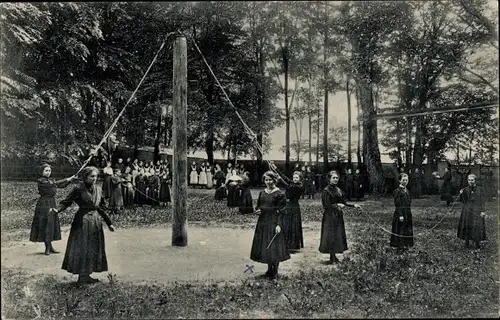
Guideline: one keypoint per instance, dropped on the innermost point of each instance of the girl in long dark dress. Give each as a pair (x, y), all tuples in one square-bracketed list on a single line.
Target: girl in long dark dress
[(45, 226), (116, 195), (106, 182), (85, 251), (127, 188), (165, 180), (140, 185), (357, 185), (220, 178), (246, 201), (292, 223), (349, 184), (333, 236), (269, 244), (402, 222), (446, 187), (309, 183), (471, 226), (154, 189), (232, 190)]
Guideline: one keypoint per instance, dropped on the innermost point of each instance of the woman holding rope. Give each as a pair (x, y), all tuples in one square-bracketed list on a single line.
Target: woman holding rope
[(45, 226), (293, 220), (333, 236), (85, 251), (402, 222), (472, 225), (269, 245)]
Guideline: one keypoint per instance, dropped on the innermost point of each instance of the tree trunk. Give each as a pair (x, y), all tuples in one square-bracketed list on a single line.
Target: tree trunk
[(325, 133), (287, 113), (349, 140), (229, 144), (156, 153), (372, 162), (209, 139), (317, 134), (358, 149), (408, 143), (418, 149), (398, 144), (262, 105), (310, 136), (136, 148), (209, 146)]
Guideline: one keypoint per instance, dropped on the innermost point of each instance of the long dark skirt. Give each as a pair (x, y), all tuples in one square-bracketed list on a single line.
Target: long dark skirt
[(446, 193), (220, 193), (128, 194), (106, 186), (292, 224), (309, 189), (140, 193), (85, 251), (116, 197), (45, 226), (165, 193), (333, 236), (264, 232), (471, 226), (404, 229), (246, 201), (232, 196), (153, 193)]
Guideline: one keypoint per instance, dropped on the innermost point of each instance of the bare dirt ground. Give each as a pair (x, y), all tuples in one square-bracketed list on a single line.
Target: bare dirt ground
[(146, 254)]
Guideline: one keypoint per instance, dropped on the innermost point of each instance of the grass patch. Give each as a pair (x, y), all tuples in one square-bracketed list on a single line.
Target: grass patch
[(438, 278)]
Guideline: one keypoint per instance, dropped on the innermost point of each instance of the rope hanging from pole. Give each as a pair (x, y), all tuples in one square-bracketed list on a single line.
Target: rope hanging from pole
[(114, 123), (253, 136)]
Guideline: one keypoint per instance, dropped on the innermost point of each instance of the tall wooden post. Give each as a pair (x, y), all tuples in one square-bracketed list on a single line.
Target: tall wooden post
[(179, 133)]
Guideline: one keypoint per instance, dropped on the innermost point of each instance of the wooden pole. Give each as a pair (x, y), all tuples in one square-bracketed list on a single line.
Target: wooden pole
[(179, 132)]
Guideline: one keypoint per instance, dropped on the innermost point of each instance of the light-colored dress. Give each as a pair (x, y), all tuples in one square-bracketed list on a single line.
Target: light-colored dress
[(193, 177), (202, 179), (210, 179)]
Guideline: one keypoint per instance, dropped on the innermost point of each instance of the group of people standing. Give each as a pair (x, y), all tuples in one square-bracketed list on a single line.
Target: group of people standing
[(136, 183), (278, 232)]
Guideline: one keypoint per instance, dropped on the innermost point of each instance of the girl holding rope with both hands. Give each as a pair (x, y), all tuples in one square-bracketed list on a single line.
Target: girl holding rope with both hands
[(45, 226), (333, 235), (293, 218), (269, 245), (402, 222), (85, 251), (472, 225)]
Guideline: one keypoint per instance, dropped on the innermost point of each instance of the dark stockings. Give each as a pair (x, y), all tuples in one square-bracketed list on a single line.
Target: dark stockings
[(272, 270), (333, 258), (86, 279), (49, 248)]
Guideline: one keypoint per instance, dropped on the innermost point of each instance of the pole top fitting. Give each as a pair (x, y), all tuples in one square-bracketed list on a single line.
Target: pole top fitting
[(179, 34)]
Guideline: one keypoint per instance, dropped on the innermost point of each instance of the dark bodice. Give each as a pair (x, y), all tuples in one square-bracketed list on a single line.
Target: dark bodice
[(332, 195), (47, 187), (87, 201), (271, 202), (402, 198), (294, 192)]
